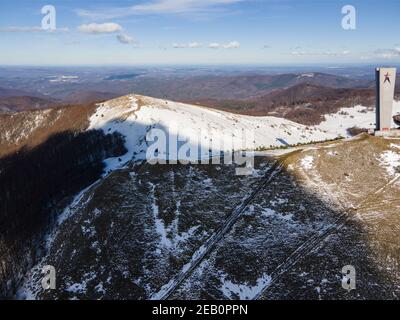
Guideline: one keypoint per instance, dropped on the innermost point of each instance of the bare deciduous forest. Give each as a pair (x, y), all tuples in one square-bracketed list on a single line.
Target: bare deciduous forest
[(32, 182)]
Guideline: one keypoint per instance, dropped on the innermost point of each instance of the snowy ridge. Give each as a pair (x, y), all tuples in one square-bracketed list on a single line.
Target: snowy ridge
[(134, 116)]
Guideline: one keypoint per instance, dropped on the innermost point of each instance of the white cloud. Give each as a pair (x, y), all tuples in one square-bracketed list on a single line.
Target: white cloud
[(158, 7), (191, 45), (195, 45), (95, 28), (125, 39), (229, 45), (388, 53), (179, 46), (323, 53), (214, 45)]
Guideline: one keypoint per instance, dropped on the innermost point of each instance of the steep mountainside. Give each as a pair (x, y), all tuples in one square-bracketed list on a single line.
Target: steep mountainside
[(200, 232), (45, 158), (76, 194), (32, 128)]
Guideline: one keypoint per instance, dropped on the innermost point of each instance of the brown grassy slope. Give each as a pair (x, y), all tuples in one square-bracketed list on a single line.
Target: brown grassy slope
[(32, 128)]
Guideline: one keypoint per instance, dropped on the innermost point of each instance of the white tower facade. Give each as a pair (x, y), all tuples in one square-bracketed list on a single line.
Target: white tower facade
[(385, 85)]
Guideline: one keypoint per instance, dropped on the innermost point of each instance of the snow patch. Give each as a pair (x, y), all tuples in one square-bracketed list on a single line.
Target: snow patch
[(268, 212), (244, 291), (357, 116), (80, 288), (307, 162), (395, 146), (159, 223), (391, 161)]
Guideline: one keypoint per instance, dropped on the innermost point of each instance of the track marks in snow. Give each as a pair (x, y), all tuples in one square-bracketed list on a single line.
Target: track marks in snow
[(167, 290)]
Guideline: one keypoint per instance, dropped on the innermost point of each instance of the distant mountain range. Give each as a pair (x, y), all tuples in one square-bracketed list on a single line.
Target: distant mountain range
[(304, 103), (22, 103), (238, 87), (9, 92), (186, 86), (89, 97), (12, 100), (301, 97)]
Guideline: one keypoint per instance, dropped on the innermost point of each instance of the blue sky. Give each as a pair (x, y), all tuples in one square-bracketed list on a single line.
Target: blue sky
[(135, 32)]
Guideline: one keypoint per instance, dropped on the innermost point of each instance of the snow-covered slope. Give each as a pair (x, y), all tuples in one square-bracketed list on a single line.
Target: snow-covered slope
[(134, 116), (358, 116)]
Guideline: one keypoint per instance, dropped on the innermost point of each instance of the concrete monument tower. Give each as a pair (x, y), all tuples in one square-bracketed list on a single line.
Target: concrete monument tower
[(385, 84)]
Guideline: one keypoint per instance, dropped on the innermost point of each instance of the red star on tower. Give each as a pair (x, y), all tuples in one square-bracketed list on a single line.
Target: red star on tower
[(387, 77)]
